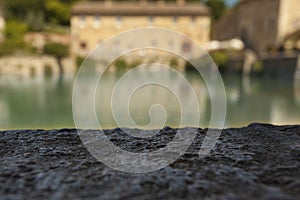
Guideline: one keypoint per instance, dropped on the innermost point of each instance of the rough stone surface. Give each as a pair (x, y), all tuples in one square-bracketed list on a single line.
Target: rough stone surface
[(256, 162)]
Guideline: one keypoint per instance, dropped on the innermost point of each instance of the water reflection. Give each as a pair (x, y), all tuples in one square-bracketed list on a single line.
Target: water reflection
[(149, 97), (37, 102), (261, 100)]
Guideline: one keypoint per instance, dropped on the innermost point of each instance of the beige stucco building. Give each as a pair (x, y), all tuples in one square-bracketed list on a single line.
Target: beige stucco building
[(94, 22), (261, 24)]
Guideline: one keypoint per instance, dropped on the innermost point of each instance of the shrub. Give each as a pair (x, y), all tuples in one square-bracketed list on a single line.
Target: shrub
[(221, 59), (79, 61), (135, 64), (174, 63), (121, 64), (258, 66), (14, 32), (57, 50)]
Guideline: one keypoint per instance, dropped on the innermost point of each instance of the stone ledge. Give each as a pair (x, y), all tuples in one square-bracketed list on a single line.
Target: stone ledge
[(256, 162)]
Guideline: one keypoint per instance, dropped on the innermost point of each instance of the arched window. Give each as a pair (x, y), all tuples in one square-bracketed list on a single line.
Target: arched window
[(83, 45), (82, 21), (186, 47), (175, 20), (150, 21), (97, 21), (119, 21)]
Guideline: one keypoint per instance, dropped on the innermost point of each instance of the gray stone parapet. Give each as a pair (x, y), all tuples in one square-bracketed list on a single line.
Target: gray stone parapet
[(256, 162)]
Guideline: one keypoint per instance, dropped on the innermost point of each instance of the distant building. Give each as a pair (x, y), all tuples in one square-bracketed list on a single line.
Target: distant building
[(93, 22), (261, 24)]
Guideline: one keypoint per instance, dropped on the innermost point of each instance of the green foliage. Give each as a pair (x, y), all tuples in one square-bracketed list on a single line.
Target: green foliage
[(174, 63), (121, 64), (57, 50), (14, 32), (37, 13), (135, 63), (89, 63), (19, 9), (30, 12), (79, 61), (57, 12), (217, 7), (6, 48), (258, 66), (220, 58), (35, 21)]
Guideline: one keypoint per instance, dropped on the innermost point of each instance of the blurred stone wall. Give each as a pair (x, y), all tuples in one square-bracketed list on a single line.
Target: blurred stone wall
[(34, 65)]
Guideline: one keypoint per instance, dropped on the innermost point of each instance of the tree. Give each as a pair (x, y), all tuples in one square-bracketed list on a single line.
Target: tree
[(30, 11), (14, 32), (57, 12), (59, 51), (217, 7)]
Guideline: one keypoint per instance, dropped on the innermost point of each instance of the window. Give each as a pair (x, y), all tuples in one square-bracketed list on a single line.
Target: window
[(119, 21), (97, 22), (83, 45), (193, 22), (150, 21), (171, 44), (186, 47), (82, 22), (174, 20)]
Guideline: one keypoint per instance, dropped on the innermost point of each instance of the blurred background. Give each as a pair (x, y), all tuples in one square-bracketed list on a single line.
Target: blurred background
[(255, 44)]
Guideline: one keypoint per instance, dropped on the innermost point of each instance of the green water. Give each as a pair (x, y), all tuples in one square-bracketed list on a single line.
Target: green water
[(46, 103)]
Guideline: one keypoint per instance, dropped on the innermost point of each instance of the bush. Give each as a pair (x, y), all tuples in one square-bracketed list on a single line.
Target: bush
[(57, 12), (79, 61), (258, 67), (14, 32), (121, 64), (174, 63), (221, 59), (6, 48), (135, 64), (57, 50)]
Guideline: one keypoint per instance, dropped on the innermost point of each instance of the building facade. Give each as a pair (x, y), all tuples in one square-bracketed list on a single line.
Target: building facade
[(261, 24), (94, 22)]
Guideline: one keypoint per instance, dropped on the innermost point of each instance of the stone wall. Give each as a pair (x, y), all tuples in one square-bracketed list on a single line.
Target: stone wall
[(261, 24), (256, 162), (282, 67), (34, 65)]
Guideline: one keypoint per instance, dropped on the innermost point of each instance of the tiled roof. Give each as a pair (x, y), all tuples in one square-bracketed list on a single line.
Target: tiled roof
[(138, 8)]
